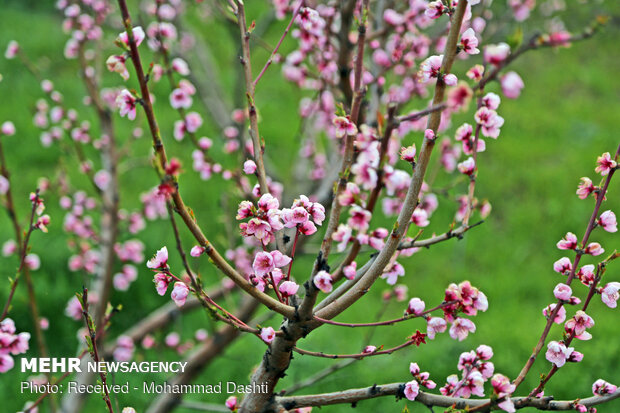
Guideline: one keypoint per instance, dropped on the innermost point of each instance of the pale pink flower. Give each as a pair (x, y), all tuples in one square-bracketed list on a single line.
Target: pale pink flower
[(180, 98), (249, 167), (8, 128), (469, 42), (369, 349), (197, 251), (416, 306), (461, 327), (511, 84), (608, 222), (496, 53), (562, 292), (344, 126), (605, 164), (231, 403), (610, 295), (434, 10), (161, 281), (503, 388), (569, 242), (4, 185), (11, 50), (408, 154), (430, 68), (116, 64), (126, 102), (160, 259), (393, 18), (32, 261), (557, 353), (601, 388), (349, 271), (412, 389), (450, 79), (578, 325), (594, 249), (267, 334), (179, 293), (435, 325), (475, 72), (288, 288), (420, 217), (323, 281), (172, 339), (467, 167), (585, 188), (138, 36), (180, 66), (491, 100), (263, 263), (563, 265), (429, 134), (484, 352), (559, 317)]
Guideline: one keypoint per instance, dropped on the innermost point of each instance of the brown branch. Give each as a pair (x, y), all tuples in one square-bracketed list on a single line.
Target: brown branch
[(591, 224), (182, 210), (396, 389), (411, 200)]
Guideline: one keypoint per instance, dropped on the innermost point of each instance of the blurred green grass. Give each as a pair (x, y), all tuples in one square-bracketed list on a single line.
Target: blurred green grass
[(566, 116)]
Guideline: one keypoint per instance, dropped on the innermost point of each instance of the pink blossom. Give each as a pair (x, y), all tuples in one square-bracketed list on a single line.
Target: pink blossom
[(557, 353), (430, 68), (429, 134), (288, 288), (393, 18), (116, 64), (484, 352), (511, 85), (323, 281), (569, 242), (124, 349), (161, 281), (594, 249), (180, 66), (172, 339), (495, 54), (610, 295), (32, 261), (360, 218), (469, 42), (369, 349), (159, 260), (4, 185), (411, 390), (559, 317), (461, 327), (180, 98), (349, 271), (344, 126), (585, 188), (563, 265), (263, 263), (420, 217), (197, 251), (450, 79), (578, 325), (608, 222), (605, 164), (138, 36), (601, 388), (8, 128), (408, 154), (416, 306), (467, 167), (11, 50), (434, 9), (249, 167), (475, 72), (562, 292), (231, 403), (126, 102), (491, 100), (503, 388), (6, 363), (267, 334), (179, 293)]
